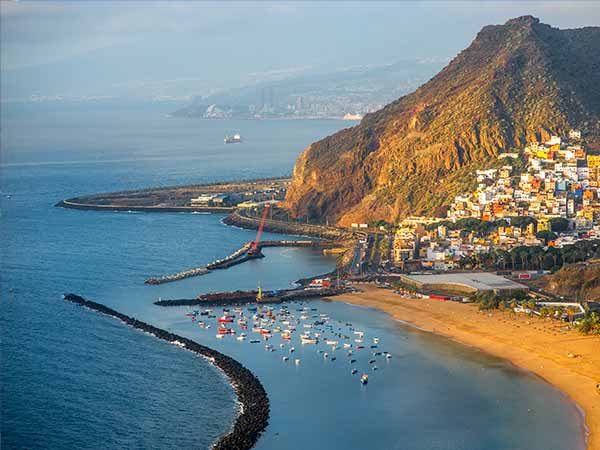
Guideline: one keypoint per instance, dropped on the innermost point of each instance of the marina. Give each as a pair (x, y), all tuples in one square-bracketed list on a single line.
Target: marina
[(283, 327)]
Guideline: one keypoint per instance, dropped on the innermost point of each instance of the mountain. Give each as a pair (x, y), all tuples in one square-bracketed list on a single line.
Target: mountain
[(515, 83)]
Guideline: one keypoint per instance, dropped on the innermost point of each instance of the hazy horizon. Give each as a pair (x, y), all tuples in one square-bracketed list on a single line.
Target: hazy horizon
[(178, 50)]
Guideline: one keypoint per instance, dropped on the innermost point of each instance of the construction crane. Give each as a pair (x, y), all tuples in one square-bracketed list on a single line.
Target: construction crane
[(254, 247)]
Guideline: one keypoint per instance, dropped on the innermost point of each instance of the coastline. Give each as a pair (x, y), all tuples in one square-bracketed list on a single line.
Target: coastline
[(253, 416), (537, 346)]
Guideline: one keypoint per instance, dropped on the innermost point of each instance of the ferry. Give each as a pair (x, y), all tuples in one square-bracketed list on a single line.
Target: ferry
[(236, 138)]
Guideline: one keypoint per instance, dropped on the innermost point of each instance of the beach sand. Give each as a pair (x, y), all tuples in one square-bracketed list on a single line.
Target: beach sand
[(539, 345)]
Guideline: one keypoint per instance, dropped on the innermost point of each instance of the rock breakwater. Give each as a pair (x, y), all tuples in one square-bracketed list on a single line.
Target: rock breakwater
[(254, 412)]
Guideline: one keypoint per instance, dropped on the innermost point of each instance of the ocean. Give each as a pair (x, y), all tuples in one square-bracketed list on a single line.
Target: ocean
[(73, 379)]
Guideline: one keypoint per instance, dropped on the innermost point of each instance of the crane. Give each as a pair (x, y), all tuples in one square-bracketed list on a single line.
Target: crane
[(254, 248)]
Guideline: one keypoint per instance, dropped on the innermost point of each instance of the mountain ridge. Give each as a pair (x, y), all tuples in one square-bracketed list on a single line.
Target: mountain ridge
[(515, 83)]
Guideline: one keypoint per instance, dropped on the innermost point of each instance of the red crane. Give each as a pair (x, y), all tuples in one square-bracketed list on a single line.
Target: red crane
[(254, 249)]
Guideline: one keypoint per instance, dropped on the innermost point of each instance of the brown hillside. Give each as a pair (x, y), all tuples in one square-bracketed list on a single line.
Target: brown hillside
[(515, 83), (578, 280)]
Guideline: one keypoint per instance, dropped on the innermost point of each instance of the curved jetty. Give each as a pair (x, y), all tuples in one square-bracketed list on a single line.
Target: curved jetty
[(238, 257), (254, 411)]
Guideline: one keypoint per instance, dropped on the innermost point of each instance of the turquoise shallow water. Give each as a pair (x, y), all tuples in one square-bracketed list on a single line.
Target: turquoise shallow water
[(74, 379)]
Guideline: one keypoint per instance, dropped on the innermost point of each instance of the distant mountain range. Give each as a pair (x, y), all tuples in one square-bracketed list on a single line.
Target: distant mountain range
[(515, 83), (355, 90)]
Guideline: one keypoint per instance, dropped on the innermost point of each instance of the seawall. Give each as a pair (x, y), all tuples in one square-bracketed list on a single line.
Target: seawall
[(74, 203), (254, 414)]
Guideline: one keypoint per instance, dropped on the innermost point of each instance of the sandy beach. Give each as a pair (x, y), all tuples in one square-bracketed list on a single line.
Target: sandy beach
[(563, 357)]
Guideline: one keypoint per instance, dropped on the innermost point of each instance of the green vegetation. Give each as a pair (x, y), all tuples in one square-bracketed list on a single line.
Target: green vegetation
[(559, 225), (491, 300), (547, 236), (534, 258), (591, 324), (482, 227)]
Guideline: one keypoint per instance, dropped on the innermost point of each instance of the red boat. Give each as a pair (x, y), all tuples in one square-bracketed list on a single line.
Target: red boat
[(225, 319), (359, 347), (225, 331), (264, 331)]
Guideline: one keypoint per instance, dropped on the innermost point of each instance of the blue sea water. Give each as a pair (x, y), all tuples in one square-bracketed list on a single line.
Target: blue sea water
[(73, 379)]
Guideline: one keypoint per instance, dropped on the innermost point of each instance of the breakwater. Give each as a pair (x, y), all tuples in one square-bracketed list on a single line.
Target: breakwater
[(238, 257), (75, 203), (238, 298), (254, 412)]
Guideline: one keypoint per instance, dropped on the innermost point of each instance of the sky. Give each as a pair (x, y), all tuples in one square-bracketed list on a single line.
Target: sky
[(145, 49)]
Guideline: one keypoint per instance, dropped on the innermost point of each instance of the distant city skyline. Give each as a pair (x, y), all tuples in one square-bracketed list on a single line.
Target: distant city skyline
[(182, 49)]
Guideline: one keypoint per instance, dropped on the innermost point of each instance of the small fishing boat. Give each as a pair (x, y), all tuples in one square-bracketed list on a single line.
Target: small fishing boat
[(364, 379), (297, 362), (353, 372)]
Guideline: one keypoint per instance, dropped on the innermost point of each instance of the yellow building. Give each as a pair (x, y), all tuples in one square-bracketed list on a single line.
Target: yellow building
[(543, 224), (593, 161)]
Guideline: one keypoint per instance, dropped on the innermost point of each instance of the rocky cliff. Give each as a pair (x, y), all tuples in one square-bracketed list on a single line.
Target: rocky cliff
[(579, 281), (515, 83)]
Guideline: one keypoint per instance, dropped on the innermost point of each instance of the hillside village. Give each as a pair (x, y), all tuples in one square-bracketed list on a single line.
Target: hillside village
[(544, 195)]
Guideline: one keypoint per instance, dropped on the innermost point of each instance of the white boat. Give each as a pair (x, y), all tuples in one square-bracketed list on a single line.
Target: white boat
[(347, 345), (309, 341), (220, 336), (297, 362), (325, 355), (285, 358), (331, 342)]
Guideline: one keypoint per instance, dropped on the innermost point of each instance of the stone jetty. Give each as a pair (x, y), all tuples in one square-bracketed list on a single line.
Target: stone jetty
[(254, 412)]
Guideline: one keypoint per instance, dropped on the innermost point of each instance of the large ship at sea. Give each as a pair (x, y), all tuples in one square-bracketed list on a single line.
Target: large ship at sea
[(237, 137)]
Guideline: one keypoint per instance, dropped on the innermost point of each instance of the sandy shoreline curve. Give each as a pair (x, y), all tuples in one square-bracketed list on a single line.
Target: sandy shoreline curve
[(564, 358)]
